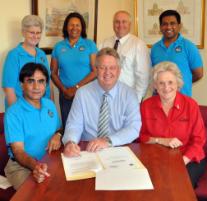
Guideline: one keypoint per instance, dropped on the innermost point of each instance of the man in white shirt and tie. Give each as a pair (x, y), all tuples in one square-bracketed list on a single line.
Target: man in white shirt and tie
[(134, 55), (104, 112)]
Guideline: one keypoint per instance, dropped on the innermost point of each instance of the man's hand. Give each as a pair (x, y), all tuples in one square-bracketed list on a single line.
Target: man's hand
[(171, 142), (97, 144), (71, 149), (54, 143), (40, 172)]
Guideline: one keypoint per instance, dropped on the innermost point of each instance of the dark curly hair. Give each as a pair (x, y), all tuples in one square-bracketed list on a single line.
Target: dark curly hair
[(83, 24)]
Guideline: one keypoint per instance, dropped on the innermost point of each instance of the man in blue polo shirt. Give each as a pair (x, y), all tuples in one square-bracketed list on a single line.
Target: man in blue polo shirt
[(31, 126), (175, 48)]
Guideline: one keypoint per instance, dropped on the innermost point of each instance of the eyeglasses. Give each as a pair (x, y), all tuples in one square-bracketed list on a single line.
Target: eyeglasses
[(31, 81), (38, 33)]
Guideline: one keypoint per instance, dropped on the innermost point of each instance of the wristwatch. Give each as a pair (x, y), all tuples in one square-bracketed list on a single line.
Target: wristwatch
[(77, 86)]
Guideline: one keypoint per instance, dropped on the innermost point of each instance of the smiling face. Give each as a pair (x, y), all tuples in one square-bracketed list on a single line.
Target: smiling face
[(107, 72), (121, 24), (34, 87), (74, 28), (166, 86), (170, 28), (32, 35)]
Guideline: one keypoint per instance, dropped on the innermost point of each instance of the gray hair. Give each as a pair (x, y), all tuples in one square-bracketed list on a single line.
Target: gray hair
[(123, 11), (107, 51), (167, 66), (31, 20)]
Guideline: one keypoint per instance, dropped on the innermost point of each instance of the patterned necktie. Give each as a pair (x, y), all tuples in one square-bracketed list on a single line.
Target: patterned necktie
[(116, 44), (103, 122)]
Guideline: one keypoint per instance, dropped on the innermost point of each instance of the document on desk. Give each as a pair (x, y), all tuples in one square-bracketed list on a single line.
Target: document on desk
[(115, 168), (82, 167), (122, 171)]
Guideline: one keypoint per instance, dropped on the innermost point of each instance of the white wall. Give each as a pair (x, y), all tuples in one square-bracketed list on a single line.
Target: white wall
[(13, 11), (10, 22)]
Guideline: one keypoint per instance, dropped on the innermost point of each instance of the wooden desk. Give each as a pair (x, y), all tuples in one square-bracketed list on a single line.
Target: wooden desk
[(165, 166)]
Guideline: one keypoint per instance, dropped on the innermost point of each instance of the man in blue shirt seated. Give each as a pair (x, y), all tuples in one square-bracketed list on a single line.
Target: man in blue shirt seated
[(104, 112), (31, 126)]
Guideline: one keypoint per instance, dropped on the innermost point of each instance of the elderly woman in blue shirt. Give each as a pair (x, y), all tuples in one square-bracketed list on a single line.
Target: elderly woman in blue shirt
[(25, 52)]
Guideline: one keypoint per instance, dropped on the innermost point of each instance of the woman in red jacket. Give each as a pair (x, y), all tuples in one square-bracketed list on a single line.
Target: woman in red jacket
[(173, 120)]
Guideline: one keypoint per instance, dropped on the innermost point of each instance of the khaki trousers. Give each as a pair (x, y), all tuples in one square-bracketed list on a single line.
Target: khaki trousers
[(16, 174)]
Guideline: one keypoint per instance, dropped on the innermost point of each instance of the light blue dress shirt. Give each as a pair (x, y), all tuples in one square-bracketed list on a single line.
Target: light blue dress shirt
[(125, 120)]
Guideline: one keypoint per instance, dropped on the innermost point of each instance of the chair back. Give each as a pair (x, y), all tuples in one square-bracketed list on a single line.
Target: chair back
[(203, 110)]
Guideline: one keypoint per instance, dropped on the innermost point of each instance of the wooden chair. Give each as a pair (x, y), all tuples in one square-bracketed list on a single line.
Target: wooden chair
[(5, 195), (201, 190)]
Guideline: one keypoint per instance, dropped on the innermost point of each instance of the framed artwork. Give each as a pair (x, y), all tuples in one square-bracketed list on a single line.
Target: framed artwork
[(53, 14), (192, 12)]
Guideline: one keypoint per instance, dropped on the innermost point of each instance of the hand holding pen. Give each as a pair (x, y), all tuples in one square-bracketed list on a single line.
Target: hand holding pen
[(40, 172)]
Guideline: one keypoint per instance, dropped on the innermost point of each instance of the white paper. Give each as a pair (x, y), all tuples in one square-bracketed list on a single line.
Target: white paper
[(119, 157), (82, 165), (4, 183), (123, 179)]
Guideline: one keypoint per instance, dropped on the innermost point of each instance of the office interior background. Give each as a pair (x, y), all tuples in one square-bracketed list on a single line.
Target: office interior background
[(12, 13)]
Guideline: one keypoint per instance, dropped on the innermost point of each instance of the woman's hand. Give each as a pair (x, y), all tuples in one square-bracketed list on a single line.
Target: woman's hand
[(171, 142), (69, 93)]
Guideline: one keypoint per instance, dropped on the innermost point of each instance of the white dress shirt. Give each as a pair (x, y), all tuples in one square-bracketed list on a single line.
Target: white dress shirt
[(135, 62)]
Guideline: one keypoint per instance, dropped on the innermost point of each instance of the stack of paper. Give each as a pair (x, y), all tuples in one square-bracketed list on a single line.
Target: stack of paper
[(115, 168)]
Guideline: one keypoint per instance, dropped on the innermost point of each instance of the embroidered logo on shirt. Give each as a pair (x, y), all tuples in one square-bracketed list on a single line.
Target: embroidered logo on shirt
[(50, 113), (63, 50), (178, 49), (81, 48)]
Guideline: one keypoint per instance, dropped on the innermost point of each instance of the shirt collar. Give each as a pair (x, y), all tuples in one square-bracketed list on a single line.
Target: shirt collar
[(123, 39), (111, 92), (180, 37), (27, 106), (177, 102), (78, 43), (22, 51)]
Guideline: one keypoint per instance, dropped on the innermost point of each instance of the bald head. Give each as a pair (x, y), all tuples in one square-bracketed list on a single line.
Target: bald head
[(121, 23)]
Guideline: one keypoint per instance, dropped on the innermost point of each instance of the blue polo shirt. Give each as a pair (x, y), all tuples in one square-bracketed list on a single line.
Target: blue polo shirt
[(34, 127), (182, 52), (73, 62), (13, 64)]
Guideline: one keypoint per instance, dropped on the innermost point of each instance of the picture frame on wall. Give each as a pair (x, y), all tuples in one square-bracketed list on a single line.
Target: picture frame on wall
[(53, 14), (192, 13)]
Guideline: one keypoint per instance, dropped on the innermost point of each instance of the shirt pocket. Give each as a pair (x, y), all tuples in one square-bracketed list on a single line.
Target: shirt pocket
[(119, 123)]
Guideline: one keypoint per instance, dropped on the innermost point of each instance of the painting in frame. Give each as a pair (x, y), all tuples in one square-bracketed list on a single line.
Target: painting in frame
[(192, 19), (53, 13)]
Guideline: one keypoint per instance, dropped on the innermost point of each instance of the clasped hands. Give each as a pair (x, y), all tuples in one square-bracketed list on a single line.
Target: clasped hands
[(71, 149), (69, 92), (168, 142)]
